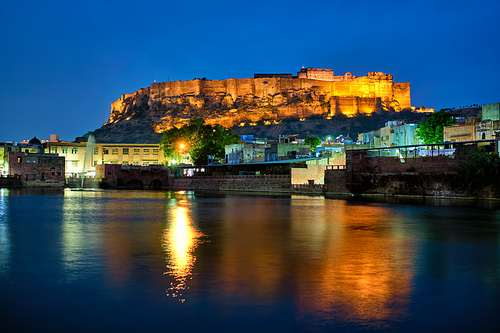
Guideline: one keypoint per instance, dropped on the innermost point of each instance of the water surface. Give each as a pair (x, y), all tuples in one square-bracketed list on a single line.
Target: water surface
[(181, 261)]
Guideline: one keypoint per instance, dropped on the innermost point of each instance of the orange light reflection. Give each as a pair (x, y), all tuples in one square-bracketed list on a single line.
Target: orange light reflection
[(180, 239)]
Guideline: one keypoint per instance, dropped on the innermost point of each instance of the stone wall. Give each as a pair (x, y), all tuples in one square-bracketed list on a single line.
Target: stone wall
[(232, 101), (335, 180), (270, 183), (313, 174)]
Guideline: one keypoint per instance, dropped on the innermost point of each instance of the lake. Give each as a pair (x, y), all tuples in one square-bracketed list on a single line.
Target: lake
[(130, 261)]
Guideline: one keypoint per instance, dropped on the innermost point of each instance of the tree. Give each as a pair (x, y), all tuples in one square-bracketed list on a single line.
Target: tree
[(431, 129), (196, 140), (312, 141), (480, 173)]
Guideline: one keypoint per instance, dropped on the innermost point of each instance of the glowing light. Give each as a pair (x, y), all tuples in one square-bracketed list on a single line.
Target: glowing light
[(180, 240)]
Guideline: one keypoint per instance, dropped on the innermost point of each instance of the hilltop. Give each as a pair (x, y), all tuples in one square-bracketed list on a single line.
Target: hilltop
[(266, 105)]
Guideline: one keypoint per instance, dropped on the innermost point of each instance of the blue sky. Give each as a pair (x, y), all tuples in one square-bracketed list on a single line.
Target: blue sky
[(62, 63)]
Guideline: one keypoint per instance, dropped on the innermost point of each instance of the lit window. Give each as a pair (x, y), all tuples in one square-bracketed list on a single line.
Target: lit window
[(19, 160), (74, 164), (114, 151), (145, 151), (95, 151), (53, 150), (136, 151), (155, 151)]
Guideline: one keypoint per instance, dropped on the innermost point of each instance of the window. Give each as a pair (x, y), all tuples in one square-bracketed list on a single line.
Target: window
[(145, 151), (53, 150), (125, 151), (136, 151), (64, 150), (19, 160), (74, 150), (96, 151), (114, 151), (105, 151), (74, 164), (155, 151)]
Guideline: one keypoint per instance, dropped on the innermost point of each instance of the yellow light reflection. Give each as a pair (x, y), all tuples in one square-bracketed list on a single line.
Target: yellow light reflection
[(180, 240)]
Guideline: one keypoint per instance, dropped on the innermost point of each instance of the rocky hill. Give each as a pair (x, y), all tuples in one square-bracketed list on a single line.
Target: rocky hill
[(264, 106)]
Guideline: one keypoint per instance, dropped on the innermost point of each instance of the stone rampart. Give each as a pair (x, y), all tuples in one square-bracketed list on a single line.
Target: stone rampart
[(232, 101)]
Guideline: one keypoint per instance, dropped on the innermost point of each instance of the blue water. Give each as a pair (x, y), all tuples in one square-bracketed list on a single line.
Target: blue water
[(130, 261)]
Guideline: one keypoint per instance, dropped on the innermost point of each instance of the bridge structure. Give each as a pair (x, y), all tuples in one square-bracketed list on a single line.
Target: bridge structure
[(154, 177)]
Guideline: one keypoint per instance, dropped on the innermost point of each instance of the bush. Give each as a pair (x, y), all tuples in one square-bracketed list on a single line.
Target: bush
[(479, 174)]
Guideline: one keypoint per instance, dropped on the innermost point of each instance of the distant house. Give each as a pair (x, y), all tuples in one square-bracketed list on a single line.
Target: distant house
[(286, 151), (37, 169), (461, 132), (387, 133), (104, 153), (245, 152), (490, 112), (406, 135), (31, 146)]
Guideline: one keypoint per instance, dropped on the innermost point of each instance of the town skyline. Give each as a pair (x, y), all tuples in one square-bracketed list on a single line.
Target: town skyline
[(66, 63)]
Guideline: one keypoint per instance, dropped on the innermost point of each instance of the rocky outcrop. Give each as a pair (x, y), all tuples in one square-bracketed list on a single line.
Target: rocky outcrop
[(146, 113)]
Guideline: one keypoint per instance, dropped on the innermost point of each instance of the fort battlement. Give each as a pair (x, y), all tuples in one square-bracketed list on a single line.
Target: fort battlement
[(266, 96)]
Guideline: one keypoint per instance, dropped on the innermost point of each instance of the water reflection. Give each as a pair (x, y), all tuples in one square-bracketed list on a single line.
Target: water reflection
[(4, 233), (80, 234), (365, 275), (180, 239)]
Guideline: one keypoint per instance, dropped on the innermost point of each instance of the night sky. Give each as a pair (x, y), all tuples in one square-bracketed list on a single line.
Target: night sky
[(64, 62)]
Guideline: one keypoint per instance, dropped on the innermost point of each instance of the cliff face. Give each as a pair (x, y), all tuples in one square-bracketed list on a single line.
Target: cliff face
[(145, 114)]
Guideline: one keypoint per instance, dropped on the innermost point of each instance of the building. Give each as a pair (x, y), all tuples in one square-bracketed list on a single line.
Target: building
[(32, 146), (461, 132), (487, 130), (104, 153), (278, 151), (326, 75), (406, 135), (387, 133), (491, 112), (245, 152), (37, 169)]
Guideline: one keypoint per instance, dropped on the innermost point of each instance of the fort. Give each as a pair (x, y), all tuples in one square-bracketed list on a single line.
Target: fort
[(271, 97)]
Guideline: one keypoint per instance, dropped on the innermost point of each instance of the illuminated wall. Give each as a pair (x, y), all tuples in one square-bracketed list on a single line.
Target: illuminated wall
[(234, 101)]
